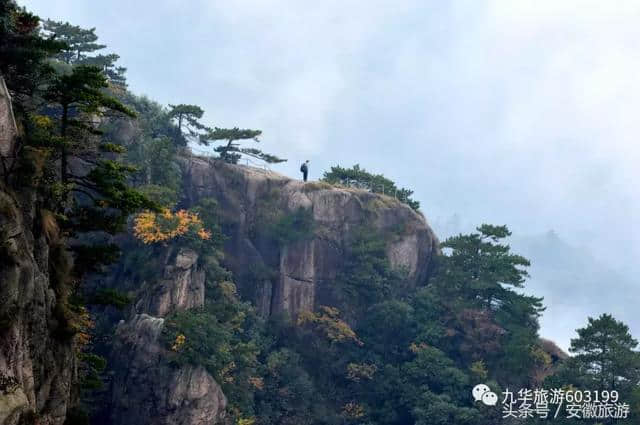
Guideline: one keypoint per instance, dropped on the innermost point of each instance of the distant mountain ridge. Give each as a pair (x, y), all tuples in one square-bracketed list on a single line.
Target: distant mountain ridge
[(575, 284)]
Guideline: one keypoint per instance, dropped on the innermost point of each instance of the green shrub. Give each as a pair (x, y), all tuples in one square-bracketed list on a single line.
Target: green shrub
[(361, 178), (77, 416), (292, 227), (110, 296)]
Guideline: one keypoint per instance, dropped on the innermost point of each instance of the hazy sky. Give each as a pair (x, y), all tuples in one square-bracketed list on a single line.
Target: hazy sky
[(510, 112)]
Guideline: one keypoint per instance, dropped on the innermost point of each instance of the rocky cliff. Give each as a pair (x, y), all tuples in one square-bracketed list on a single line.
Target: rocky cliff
[(8, 128), (37, 362), (144, 388), (37, 366), (304, 270)]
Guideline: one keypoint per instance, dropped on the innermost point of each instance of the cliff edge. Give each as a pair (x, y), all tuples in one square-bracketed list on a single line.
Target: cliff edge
[(304, 269)]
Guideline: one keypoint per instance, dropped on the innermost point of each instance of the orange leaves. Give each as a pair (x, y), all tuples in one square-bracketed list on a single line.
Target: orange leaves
[(329, 323), (152, 227), (204, 234), (179, 342), (81, 323)]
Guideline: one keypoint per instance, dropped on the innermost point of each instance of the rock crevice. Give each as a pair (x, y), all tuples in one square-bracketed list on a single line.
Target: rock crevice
[(145, 388)]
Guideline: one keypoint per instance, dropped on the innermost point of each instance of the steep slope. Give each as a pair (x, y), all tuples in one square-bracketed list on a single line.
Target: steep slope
[(304, 269), (145, 389), (37, 362)]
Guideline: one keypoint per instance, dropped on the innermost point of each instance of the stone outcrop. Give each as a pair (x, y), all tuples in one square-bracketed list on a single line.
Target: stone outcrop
[(38, 367), (147, 390), (304, 269), (180, 286), (7, 121), (37, 364)]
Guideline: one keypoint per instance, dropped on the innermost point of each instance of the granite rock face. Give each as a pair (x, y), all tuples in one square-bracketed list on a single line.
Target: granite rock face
[(37, 365), (180, 286), (147, 390), (303, 269), (7, 122)]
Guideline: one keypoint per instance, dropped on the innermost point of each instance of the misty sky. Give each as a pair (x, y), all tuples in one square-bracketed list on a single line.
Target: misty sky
[(509, 112)]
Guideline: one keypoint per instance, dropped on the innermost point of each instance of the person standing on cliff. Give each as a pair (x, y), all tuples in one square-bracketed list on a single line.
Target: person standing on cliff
[(304, 169)]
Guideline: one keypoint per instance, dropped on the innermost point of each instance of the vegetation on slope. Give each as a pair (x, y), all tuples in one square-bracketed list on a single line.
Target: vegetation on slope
[(377, 183), (408, 356)]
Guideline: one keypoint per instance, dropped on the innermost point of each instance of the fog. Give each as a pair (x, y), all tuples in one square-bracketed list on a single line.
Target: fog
[(508, 112)]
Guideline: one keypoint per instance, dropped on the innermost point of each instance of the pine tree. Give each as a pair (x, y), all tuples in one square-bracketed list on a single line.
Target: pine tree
[(471, 305), (23, 52), (80, 98), (77, 99), (607, 352), (187, 119), (79, 41), (79, 48), (361, 178), (232, 152), (107, 63)]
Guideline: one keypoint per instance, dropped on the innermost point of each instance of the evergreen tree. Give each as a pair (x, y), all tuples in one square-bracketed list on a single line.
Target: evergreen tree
[(366, 277), (186, 118), (472, 310), (79, 41), (76, 100), (114, 73), (23, 67), (605, 360), (607, 354), (361, 178), (79, 48), (485, 268), (232, 152), (23, 52), (80, 98)]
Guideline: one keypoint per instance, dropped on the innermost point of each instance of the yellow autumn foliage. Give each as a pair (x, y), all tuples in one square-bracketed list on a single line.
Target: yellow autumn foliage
[(82, 324), (42, 121), (416, 348), (228, 289), (227, 371), (353, 410), (359, 371), (328, 322), (151, 227), (179, 342)]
